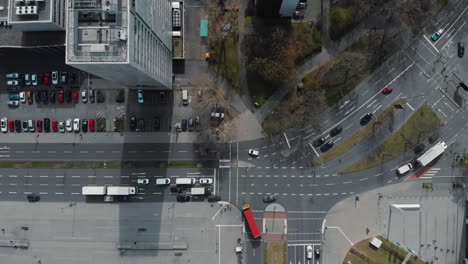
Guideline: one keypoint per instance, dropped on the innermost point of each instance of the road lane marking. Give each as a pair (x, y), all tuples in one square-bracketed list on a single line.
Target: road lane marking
[(43, 176), (316, 153), (68, 151), (286, 140), (76, 176), (99, 151), (59, 176), (51, 151), (108, 176), (12, 176), (363, 179), (347, 182), (43, 193), (116, 151), (59, 193), (75, 193)]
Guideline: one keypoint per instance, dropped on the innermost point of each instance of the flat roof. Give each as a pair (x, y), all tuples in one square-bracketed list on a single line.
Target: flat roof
[(43, 12), (3, 9)]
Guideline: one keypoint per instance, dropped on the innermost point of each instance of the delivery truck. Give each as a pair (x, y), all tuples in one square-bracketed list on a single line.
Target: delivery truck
[(121, 190), (93, 190), (432, 153)]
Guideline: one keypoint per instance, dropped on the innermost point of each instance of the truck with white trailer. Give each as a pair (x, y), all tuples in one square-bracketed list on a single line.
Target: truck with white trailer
[(198, 191), (93, 190), (432, 153), (121, 190), (185, 181)]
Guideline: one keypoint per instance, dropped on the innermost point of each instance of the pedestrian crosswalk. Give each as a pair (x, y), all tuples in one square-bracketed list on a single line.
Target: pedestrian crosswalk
[(431, 172)]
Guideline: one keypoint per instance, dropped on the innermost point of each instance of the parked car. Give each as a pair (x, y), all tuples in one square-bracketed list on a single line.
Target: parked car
[(45, 96), (52, 95), (309, 252), (436, 35), (366, 119), (133, 123), (84, 96), (34, 79), (11, 126), (12, 89), (199, 95), (68, 95), (25, 126), (461, 49), (13, 96), (39, 125), (55, 77), (32, 125), (318, 142), (183, 198), (72, 78), (75, 97), (92, 95), (54, 125), (387, 90), (13, 103), (47, 125), (18, 126), (269, 198), (253, 152), (12, 82), (327, 146), (46, 79), (60, 96), (140, 96), (156, 123), (22, 97), (40, 78), (61, 126), (317, 253), (68, 124), (141, 125), (76, 125), (84, 125), (13, 75), (37, 96), (184, 124), (4, 124), (63, 78), (336, 131), (92, 126), (175, 189), (27, 79), (190, 124), (206, 181), (29, 97)]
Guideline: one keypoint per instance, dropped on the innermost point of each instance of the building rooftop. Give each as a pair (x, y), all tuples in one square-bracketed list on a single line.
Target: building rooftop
[(97, 31), (30, 10), (3, 10), (14, 38)]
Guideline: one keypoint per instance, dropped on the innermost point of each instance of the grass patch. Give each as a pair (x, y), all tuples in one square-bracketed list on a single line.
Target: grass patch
[(388, 253), (358, 137), (60, 165), (182, 164), (225, 60), (340, 21), (308, 40), (419, 127), (274, 252)]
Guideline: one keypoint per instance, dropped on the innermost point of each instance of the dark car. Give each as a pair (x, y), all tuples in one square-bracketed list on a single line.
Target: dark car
[(366, 119), (387, 90), (156, 123), (39, 125), (72, 78), (133, 123), (336, 131), (269, 198), (461, 49), (13, 89), (37, 96), (141, 125), (327, 146), (419, 148), (92, 95), (63, 78), (45, 96), (25, 126), (84, 125), (183, 198), (176, 189), (68, 95), (52, 96), (214, 198), (18, 126), (40, 78), (318, 142), (33, 197), (46, 124), (184, 124)]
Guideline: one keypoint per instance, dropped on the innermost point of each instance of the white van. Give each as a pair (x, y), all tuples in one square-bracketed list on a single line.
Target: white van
[(185, 97), (163, 181), (404, 169), (185, 181)]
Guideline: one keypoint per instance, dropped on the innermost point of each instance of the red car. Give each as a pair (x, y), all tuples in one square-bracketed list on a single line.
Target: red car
[(387, 90), (46, 78), (39, 125), (60, 96), (75, 97), (91, 125), (11, 125), (54, 125)]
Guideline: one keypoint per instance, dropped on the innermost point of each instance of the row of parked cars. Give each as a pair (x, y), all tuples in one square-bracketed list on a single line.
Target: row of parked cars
[(45, 96), (46, 125), (18, 79)]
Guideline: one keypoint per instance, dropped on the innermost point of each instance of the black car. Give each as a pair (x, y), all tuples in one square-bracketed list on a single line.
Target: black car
[(156, 123), (141, 125), (183, 198), (327, 146), (133, 123), (40, 78), (176, 189), (336, 131), (184, 124), (25, 126), (72, 78), (214, 198), (269, 198), (46, 124), (461, 49), (84, 125), (318, 142), (33, 197), (366, 119), (419, 148), (52, 96), (37, 96), (45, 96), (92, 95), (18, 126), (68, 95)]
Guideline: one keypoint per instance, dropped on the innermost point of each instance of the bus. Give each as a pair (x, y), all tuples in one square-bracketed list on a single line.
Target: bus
[(251, 221)]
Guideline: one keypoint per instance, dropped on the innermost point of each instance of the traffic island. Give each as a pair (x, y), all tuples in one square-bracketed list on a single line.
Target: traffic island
[(275, 235)]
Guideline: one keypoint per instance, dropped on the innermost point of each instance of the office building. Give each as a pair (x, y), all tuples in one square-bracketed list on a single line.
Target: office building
[(37, 15)]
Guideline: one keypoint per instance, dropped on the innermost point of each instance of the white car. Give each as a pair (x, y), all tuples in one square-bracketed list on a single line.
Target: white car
[(254, 153), (76, 125), (34, 79), (12, 82), (309, 252), (3, 124), (22, 97), (206, 180), (142, 181), (68, 124)]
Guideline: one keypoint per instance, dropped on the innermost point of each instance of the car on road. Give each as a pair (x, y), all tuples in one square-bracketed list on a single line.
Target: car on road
[(404, 169), (419, 148), (163, 181), (76, 125), (47, 125), (214, 198), (84, 96), (12, 82), (3, 124), (254, 153), (33, 197), (269, 198), (327, 146), (84, 125), (61, 127), (75, 97), (183, 198), (25, 126), (133, 123), (436, 35), (206, 181), (22, 97), (55, 77), (39, 125), (184, 124), (92, 125), (318, 142), (309, 252), (46, 79), (68, 124), (387, 90), (366, 119), (140, 96), (461, 49), (11, 126), (34, 79), (60, 96), (13, 75), (18, 126), (143, 181), (54, 125), (336, 131), (175, 189)]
